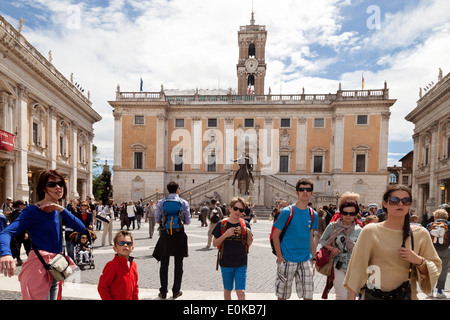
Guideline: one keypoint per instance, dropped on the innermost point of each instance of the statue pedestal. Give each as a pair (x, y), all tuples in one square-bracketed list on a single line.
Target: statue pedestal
[(254, 196)]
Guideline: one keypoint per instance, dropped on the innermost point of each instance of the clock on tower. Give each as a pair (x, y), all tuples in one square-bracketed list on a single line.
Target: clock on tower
[(251, 67)]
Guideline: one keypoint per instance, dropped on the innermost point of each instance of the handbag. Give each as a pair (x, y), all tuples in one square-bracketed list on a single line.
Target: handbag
[(59, 267), (402, 292), (324, 261)]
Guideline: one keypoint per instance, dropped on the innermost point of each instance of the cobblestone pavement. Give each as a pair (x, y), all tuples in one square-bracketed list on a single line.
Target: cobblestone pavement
[(200, 278)]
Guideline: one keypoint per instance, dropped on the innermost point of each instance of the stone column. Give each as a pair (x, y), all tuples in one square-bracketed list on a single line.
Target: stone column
[(302, 139), (9, 179), (384, 141), (117, 140), (74, 162), (228, 143), (20, 174), (268, 150), (52, 137), (417, 197), (89, 161), (435, 192), (161, 151), (196, 144), (339, 143)]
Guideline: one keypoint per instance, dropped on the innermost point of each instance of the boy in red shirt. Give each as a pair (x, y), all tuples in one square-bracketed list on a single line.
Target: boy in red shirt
[(119, 280)]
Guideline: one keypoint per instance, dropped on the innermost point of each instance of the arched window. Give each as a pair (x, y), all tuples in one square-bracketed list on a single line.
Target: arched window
[(251, 50), (393, 178)]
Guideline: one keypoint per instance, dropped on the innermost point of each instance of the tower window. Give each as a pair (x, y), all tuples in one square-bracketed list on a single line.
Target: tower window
[(251, 50)]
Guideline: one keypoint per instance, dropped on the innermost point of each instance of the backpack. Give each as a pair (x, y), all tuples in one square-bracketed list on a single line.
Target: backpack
[(223, 228), (439, 234), (311, 211), (215, 216), (171, 215)]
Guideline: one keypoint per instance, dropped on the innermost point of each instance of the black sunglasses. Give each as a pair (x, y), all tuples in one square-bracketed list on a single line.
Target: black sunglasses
[(238, 209), (393, 201), (345, 213), (301, 189), (52, 184), (122, 243)]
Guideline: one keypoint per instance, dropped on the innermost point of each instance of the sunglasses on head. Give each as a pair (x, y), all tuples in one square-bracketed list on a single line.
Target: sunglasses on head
[(238, 209), (396, 201), (122, 243), (346, 213), (301, 189), (52, 184)]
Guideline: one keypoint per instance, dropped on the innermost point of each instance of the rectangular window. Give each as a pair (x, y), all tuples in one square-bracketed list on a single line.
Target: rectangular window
[(405, 180), (360, 163), (427, 150), (318, 163), (179, 123), (448, 148), (212, 123), (138, 160), (35, 133), (178, 162), (249, 123), (211, 163), (284, 163), (139, 120), (319, 123), (285, 123), (362, 119), (61, 145)]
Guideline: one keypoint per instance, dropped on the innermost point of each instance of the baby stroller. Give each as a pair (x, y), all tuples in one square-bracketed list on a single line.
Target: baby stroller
[(84, 249)]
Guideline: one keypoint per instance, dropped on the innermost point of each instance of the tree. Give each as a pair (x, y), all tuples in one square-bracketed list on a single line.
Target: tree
[(101, 180)]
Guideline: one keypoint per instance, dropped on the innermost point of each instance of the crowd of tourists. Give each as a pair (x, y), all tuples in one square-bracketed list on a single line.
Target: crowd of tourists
[(373, 254)]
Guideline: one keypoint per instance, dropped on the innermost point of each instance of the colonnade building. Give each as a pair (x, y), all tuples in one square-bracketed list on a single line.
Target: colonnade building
[(46, 122), (339, 140)]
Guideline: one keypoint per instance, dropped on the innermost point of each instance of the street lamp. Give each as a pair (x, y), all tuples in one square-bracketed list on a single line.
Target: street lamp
[(443, 186), (157, 195), (30, 176)]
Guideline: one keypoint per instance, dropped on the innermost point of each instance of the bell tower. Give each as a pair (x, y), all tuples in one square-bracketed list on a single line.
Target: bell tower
[(251, 67)]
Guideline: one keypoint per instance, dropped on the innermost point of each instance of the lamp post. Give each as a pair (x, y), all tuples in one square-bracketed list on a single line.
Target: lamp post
[(157, 195), (30, 176), (443, 186)]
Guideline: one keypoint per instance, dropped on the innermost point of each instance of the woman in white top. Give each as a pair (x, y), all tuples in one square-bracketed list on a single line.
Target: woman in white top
[(131, 212)]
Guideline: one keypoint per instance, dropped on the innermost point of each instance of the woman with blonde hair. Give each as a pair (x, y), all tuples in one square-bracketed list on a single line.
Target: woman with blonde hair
[(131, 212)]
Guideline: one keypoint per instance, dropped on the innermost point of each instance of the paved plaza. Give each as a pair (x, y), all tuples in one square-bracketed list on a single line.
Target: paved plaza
[(201, 281)]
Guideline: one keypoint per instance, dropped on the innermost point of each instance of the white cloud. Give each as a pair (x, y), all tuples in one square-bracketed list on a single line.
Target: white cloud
[(189, 44)]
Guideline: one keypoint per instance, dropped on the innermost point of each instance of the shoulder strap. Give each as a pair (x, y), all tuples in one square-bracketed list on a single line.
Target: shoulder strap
[(291, 214), (311, 212), (223, 225)]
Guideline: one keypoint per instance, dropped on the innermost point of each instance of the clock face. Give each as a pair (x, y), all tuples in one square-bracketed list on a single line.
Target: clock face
[(251, 65)]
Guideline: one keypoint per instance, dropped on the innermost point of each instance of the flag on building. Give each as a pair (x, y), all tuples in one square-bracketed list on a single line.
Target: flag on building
[(7, 141), (363, 81), (142, 84)]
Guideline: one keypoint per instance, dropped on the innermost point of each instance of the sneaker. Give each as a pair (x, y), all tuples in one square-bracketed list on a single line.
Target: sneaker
[(441, 295), (178, 294)]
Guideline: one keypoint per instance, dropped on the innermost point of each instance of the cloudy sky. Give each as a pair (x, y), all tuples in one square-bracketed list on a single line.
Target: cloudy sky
[(188, 44)]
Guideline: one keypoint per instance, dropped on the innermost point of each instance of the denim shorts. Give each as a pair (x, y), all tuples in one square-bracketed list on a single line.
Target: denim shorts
[(234, 276)]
